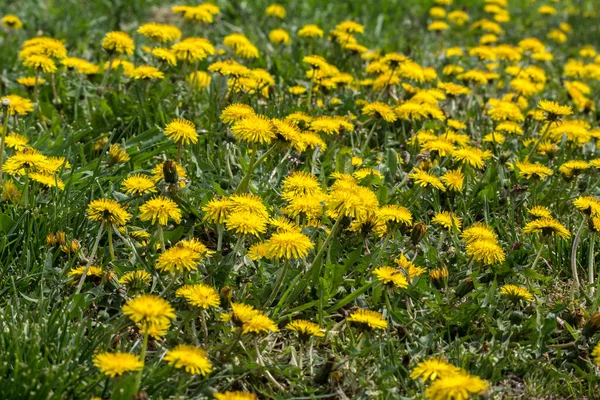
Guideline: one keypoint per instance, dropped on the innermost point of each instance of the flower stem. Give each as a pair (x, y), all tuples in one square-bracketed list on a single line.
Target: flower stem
[(278, 284), (205, 327), (161, 237), (111, 249), (591, 264), (366, 143), (36, 87), (574, 256), (106, 74), (537, 256), (540, 140), (90, 259), (4, 131), (315, 264), (138, 380)]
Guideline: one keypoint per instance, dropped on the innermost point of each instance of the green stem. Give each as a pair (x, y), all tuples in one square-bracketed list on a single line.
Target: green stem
[(4, 131), (220, 230), (107, 72), (591, 264), (537, 256), (310, 90), (577, 285), (278, 284), (540, 140), (111, 249), (36, 87), (161, 237), (243, 186), (366, 144), (316, 262), (138, 380), (90, 259)]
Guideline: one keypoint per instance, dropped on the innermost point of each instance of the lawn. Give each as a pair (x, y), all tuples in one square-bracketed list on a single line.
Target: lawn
[(391, 199)]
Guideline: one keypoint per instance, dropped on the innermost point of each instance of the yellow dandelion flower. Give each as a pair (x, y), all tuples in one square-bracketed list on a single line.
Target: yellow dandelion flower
[(533, 170), (164, 55), (93, 272), (199, 79), (540, 212), (235, 396), (118, 154), (276, 10), (235, 112), (425, 178), (311, 31), (453, 179), (246, 223), (367, 319), (279, 36), (108, 212), (432, 369), (160, 32), (458, 386), (254, 129), (181, 131), (217, 210), (391, 276), (18, 105), (554, 111), (588, 204), (138, 185), (259, 323), (29, 81), (146, 72), (178, 259), (136, 278), (199, 295), (47, 180), (193, 49), (486, 251), (547, 226), (194, 360), (114, 364), (118, 42), (16, 141), (379, 110), (160, 209), (447, 219), (305, 329), (516, 293), (40, 62), (151, 313), (574, 167), (595, 354), (11, 22), (288, 245)]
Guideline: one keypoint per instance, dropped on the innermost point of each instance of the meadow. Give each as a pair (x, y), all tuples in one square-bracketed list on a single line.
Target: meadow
[(244, 200)]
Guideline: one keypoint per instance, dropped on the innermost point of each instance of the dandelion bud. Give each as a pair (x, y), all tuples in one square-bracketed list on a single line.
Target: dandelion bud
[(226, 295), (61, 238), (50, 240), (516, 317), (418, 232), (75, 245), (5, 103), (170, 172), (464, 288), (323, 374), (439, 277), (592, 325)]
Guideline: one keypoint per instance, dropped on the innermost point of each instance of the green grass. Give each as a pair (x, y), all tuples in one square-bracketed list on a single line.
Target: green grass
[(49, 333)]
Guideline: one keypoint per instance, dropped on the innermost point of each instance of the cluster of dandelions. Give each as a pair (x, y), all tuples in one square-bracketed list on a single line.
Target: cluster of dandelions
[(411, 173)]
